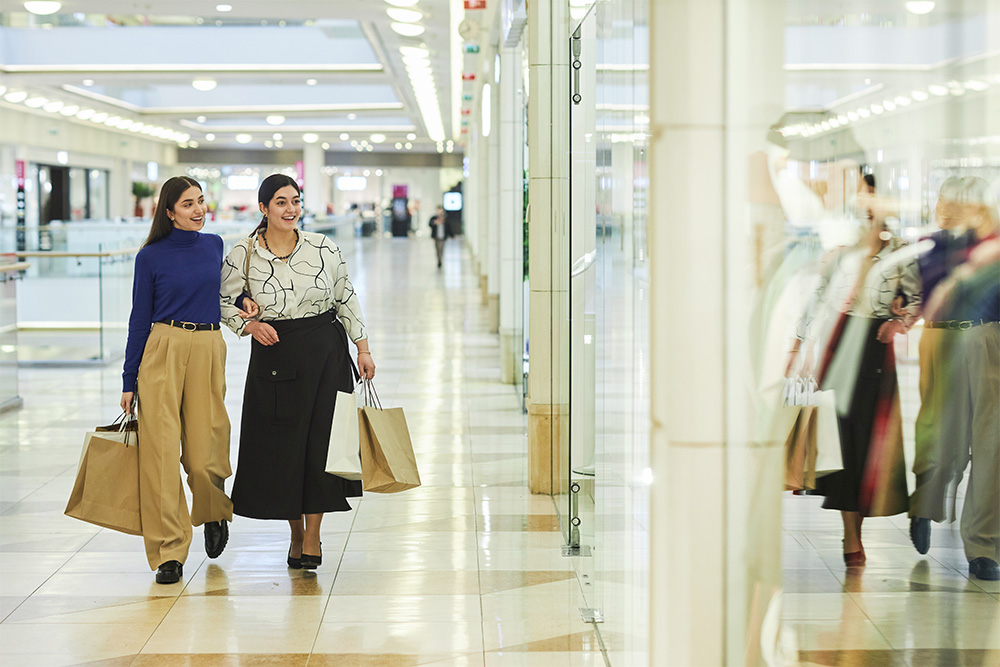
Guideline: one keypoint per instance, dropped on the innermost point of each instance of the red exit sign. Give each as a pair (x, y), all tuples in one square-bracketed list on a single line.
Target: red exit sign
[(475, 4)]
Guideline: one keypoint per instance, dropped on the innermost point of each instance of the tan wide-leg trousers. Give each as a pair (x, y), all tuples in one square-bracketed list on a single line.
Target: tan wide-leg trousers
[(974, 416), (182, 415)]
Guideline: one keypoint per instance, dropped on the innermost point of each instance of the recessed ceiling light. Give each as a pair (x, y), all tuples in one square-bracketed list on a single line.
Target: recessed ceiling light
[(268, 144), (918, 95), (279, 144), (920, 7), (88, 82), (244, 138), (937, 89), (352, 116), (204, 85), (411, 136), (407, 29), (43, 8), (209, 137), (418, 51), (85, 114), (99, 117), (408, 145), (402, 3), (16, 96), (377, 138), (310, 138), (275, 120), (36, 102), (344, 136), (311, 82), (277, 136), (404, 15), (223, 8), (326, 146), (201, 119), (69, 110), (53, 106)]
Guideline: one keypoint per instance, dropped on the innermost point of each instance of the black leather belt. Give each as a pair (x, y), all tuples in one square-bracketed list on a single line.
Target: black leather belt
[(961, 325), (190, 326)]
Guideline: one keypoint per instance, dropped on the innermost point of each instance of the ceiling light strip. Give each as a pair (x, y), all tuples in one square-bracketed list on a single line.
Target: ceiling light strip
[(269, 109), (187, 67)]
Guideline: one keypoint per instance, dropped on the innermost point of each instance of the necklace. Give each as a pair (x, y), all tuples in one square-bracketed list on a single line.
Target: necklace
[(264, 238)]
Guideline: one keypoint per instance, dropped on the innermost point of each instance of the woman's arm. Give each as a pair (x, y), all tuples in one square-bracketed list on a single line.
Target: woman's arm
[(232, 286)]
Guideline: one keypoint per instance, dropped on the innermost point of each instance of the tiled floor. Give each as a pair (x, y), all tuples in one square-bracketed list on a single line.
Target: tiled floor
[(465, 570)]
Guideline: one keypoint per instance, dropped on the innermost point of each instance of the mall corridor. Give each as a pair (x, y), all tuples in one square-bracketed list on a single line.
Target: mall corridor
[(465, 569)]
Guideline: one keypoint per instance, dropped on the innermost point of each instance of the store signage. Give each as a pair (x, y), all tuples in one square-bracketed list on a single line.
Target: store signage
[(20, 238), (352, 183), (467, 97), (466, 112), (300, 173), (468, 77), (471, 48), (475, 4), (399, 191), (242, 181)]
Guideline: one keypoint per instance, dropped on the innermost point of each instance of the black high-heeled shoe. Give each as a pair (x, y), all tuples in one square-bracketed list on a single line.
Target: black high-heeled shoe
[(294, 563), (310, 562)]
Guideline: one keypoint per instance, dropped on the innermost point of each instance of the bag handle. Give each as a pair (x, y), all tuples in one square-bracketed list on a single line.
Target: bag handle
[(369, 394)]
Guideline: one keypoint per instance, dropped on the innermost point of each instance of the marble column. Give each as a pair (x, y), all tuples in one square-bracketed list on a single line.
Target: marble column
[(548, 269), (315, 200), (715, 87), (493, 206), (511, 206)]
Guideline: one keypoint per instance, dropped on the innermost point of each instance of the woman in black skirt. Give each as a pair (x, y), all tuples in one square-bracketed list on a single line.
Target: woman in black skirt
[(855, 359), (299, 360)]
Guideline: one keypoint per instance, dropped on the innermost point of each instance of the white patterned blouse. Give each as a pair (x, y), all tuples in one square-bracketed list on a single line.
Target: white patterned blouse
[(312, 281)]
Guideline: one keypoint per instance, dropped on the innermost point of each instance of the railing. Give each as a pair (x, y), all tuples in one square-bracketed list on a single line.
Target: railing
[(74, 303), (9, 275)]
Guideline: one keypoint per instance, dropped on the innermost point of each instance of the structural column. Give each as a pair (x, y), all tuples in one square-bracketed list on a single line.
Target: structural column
[(511, 206), (493, 197), (715, 86), (313, 191), (548, 270)]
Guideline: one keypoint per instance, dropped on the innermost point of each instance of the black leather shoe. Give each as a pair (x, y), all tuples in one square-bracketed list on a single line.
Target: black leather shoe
[(920, 534), (310, 562), (294, 563), (169, 572), (216, 537), (981, 568)]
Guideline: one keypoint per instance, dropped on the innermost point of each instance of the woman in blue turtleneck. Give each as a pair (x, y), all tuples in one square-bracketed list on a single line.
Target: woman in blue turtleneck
[(175, 361)]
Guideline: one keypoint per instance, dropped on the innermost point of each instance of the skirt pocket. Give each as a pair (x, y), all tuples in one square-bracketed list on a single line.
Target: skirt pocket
[(277, 392)]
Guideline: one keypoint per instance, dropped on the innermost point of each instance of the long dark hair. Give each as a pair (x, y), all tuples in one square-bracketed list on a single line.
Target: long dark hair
[(169, 194), (265, 194)]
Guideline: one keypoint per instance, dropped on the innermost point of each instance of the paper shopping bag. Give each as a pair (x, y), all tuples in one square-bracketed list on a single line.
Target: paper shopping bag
[(343, 458), (800, 451), (387, 461), (106, 492), (828, 455)]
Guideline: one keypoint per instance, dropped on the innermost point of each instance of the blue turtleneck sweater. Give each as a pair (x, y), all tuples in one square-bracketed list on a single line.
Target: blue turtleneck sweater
[(176, 278)]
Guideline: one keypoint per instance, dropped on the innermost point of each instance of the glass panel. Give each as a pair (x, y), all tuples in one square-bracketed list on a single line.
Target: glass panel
[(98, 188), (78, 205)]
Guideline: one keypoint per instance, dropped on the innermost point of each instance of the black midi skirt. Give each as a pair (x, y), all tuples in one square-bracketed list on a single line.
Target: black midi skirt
[(873, 480), (291, 389)]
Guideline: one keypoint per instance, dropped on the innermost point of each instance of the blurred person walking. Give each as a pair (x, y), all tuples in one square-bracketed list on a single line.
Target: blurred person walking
[(175, 361), (299, 360), (856, 360), (439, 231), (959, 418)]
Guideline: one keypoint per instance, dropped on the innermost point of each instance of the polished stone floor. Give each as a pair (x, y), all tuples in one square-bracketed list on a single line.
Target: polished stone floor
[(465, 570)]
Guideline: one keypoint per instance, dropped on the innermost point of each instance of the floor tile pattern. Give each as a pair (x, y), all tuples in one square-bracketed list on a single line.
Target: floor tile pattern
[(463, 571)]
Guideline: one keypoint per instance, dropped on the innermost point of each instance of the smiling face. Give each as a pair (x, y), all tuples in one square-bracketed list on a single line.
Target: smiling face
[(189, 211), (284, 209)]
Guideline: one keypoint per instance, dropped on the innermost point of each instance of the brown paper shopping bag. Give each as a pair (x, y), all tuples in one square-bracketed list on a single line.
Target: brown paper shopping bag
[(387, 461), (106, 492), (800, 451)]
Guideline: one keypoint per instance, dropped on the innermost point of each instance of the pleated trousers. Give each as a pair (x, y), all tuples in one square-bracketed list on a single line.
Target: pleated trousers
[(182, 417)]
